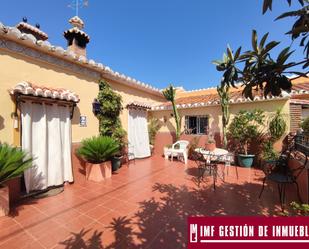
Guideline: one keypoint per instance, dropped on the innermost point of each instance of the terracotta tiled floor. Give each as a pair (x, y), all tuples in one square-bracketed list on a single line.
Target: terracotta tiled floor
[(144, 205)]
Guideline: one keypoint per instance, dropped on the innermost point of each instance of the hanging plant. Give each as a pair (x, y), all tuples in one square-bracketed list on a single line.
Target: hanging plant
[(277, 126)]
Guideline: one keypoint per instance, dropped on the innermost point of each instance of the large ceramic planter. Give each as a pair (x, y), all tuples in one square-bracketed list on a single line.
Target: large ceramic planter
[(210, 147), (245, 160), (98, 172), (116, 162), (4, 200)]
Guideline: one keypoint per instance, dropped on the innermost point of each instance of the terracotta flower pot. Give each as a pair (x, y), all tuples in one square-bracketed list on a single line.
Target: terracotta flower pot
[(98, 172), (4, 200), (210, 147)]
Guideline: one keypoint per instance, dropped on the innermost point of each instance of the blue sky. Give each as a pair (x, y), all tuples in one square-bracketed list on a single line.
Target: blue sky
[(159, 41)]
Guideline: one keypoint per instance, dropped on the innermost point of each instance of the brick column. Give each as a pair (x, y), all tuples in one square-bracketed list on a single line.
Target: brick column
[(295, 117)]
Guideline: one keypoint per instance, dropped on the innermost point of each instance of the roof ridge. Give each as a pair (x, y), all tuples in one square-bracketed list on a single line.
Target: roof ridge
[(202, 89)]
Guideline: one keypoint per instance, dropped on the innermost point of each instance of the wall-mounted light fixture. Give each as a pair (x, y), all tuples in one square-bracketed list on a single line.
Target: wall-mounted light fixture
[(96, 107)]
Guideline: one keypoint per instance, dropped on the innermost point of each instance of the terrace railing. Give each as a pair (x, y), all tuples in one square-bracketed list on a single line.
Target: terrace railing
[(301, 143)]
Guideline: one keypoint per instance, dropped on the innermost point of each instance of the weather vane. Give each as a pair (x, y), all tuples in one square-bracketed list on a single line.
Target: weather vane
[(78, 4)]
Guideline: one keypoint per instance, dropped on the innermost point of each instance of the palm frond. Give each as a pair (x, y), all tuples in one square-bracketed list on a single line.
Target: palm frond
[(13, 162), (98, 149)]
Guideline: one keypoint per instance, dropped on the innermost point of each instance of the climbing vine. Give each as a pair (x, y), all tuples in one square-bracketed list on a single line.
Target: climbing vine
[(111, 107)]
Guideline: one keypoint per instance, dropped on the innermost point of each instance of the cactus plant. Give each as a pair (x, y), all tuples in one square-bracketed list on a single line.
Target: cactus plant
[(170, 95), (223, 92)]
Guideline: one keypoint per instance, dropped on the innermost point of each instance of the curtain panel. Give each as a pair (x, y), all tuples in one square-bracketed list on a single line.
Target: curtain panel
[(138, 133), (46, 135)]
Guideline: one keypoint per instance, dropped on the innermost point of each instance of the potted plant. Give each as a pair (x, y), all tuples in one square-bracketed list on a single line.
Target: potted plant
[(97, 152), (269, 155), (119, 135), (210, 145), (13, 163), (244, 129), (153, 128), (193, 146)]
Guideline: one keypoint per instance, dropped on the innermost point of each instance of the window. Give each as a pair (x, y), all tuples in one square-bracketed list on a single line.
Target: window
[(196, 125)]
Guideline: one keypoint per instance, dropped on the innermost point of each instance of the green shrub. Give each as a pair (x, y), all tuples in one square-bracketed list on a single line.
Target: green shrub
[(268, 152), (305, 125), (98, 149), (300, 209), (13, 162), (277, 126), (245, 127)]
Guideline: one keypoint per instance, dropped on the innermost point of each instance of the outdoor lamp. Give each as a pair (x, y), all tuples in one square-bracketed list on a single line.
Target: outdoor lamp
[(96, 107)]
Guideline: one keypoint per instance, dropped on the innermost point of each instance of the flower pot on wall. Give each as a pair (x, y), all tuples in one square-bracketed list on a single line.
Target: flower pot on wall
[(245, 160), (98, 172), (4, 200)]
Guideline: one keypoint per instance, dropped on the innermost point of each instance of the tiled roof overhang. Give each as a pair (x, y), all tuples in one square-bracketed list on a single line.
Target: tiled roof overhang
[(300, 102), (28, 40), (236, 97), (29, 89), (136, 104)]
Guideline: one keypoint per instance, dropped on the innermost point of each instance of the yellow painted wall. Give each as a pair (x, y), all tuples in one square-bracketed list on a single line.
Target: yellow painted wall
[(16, 68), (215, 116)]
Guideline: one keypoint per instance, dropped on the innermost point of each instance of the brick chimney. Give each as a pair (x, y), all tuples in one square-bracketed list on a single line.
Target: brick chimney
[(76, 37)]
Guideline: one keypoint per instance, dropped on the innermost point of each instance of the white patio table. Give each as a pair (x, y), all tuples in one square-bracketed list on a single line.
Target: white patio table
[(214, 155), (218, 155)]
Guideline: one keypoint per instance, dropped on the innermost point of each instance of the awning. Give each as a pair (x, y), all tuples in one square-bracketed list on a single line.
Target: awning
[(32, 90), (141, 105)]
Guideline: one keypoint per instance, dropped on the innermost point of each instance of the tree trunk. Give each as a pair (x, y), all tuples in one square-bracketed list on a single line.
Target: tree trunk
[(246, 148), (224, 137), (177, 120)]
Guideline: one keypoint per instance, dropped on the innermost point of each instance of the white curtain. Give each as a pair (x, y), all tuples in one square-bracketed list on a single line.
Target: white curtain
[(46, 135), (138, 133)]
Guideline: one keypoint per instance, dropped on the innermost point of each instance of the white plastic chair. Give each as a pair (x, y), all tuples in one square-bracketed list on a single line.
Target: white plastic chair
[(182, 150)]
